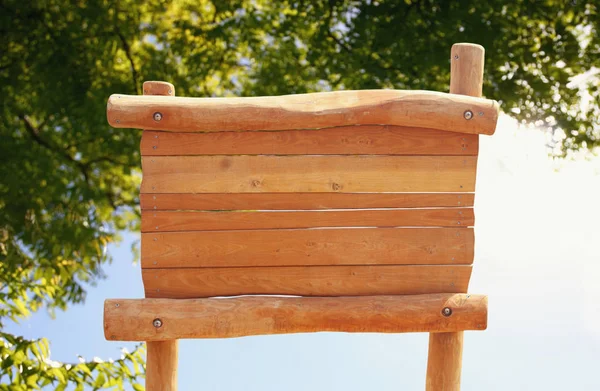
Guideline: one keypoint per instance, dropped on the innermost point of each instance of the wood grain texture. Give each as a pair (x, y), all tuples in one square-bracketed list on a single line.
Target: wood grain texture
[(131, 320), (444, 361), (165, 221), (424, 109), (161, 365), (282, 174), (305, 281), (351, 246), (344, 140), (466, 69), (301, 201), (158, 88)]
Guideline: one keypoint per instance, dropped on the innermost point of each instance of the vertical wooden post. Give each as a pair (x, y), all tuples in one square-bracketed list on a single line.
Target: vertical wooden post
[(161, 359), (466, 69), (161, 365), (444, 362)]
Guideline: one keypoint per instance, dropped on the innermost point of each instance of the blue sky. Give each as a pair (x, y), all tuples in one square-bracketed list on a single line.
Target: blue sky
[(537, 257)]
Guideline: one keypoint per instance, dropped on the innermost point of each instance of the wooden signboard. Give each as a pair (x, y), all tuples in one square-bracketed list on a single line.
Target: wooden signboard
[(356, 204)]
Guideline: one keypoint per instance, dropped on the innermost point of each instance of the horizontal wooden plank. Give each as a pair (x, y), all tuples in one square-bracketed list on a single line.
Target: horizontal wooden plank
[(425, 109), (165, 221), (346, 246), (132, 320), (301, 201), (305, 281), (275, 174), (344, 140)]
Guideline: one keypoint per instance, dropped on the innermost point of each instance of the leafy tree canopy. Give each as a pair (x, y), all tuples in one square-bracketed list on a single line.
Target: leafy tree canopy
[(69, 182)]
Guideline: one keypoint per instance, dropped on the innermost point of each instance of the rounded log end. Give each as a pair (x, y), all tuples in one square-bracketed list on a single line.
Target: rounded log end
[(158, 88), (112, 111), (473, 47)]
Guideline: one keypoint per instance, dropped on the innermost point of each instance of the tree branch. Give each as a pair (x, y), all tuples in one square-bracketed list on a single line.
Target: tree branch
[(127, 50)]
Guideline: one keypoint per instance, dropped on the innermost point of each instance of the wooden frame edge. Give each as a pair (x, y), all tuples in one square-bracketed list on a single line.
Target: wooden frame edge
[(426, 109), (169, 319)]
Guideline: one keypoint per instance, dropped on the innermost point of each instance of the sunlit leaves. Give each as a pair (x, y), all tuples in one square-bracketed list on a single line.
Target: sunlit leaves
[(26, 365)]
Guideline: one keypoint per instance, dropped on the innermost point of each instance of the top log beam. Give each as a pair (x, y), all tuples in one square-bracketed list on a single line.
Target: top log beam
[(426, 109)]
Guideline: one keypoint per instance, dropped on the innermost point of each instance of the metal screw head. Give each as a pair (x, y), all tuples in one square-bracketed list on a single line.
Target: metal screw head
[(447, 311), (456, 56), (117, 305), (468, 114), (157, 116), (154, 147), (157, 323)]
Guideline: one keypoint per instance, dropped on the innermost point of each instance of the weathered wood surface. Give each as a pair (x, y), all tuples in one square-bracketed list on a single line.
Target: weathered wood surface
[(282, 174), (165, 221), (466, 69), (301, 201), (158, 88), (424, 109), (344, 140), (131, 320), (444, 361), (317, 247), (305, 281), (161, 364), (161, 356)]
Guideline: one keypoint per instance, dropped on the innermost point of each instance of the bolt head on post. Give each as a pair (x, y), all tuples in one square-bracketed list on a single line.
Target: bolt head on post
[(157, 116), (157, 323)]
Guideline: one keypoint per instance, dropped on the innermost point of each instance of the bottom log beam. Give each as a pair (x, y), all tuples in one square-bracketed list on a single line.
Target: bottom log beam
[(168, 319), (161, 365), (444, 362)]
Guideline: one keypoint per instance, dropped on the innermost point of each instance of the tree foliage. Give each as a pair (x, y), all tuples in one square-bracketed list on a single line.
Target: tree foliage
[(69, 181)]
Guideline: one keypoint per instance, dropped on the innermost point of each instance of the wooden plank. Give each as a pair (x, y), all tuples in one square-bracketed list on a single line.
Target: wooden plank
[(131, 320), (344, 140), (165, 221), (305, 281), (282, 174), (424, 109), (301, 201), (349, 246)]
